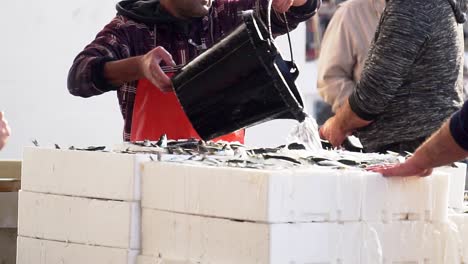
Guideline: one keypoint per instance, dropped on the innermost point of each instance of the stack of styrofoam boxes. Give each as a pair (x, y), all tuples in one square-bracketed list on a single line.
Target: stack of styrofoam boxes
[(201, 214), (83, 207), (10, 174), (79, 207)]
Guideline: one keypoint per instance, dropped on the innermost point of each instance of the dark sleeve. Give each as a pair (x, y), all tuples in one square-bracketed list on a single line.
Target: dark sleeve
[(459, 127), (401, 36), (86, 76)]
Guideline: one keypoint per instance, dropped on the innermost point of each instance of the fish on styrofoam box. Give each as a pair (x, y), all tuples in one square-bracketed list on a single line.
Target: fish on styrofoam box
[(79, 220), (457, 178), (8, 209), (38, 251), (318, 194), (91, 174)]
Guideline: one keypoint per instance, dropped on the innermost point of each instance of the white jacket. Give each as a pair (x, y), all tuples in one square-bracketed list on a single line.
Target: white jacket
[(344, 48)]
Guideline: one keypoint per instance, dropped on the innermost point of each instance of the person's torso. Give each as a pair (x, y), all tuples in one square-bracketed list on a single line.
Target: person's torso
[(432, 88), (183, 42)]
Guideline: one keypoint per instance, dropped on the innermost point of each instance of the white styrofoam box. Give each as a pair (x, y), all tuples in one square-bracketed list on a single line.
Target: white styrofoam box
[(83, 173), (215, 240), (405, 241), (200, 239), (448, 242), (439, 196), (37, 251), (383, 196), (79, 220), (317, 243), (294, 195), (405, 198), (211, 191), (8, 245), (317, 195), (299, 195), (157, 260), (461, 223), (457, 178), (416, 242), (203, 239), (8, 210)]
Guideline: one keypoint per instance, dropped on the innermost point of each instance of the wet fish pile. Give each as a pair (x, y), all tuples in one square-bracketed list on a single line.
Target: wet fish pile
[(237, 155), (234, 154)]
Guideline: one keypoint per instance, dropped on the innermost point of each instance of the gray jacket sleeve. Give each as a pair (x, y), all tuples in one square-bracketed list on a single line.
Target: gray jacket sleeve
[(400, 37)]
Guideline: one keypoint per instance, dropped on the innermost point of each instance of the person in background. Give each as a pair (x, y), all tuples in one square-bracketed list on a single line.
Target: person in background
[(344, 48), (147, 36), (5, 130), (449, 144), (412, 79)]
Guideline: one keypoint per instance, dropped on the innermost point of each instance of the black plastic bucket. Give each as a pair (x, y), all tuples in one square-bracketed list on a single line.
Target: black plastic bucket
[(240, 82)]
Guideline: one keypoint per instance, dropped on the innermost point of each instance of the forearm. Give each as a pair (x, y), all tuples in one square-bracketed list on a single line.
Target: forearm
[(86, 77), (348, 120), (440, 149), (344, 123), (122, 71)]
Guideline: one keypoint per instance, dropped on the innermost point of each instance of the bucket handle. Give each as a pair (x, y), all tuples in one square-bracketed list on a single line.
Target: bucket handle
[(294, 71)]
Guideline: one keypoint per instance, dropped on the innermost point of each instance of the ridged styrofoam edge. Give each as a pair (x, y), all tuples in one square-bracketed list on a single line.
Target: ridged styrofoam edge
[(40, 251)]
